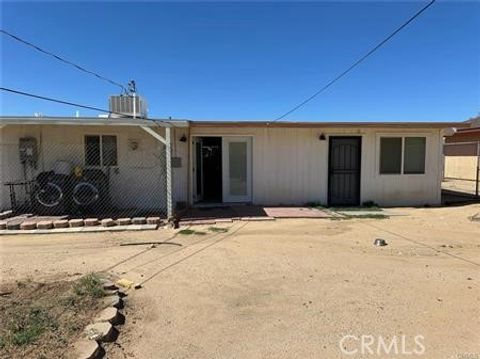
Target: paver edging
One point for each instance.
(103, 328)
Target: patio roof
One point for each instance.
(90, 121)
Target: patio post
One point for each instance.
(168, 154)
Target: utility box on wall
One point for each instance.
(28, 151)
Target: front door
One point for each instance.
(237, 169)
(344, 171)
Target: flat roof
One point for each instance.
(120, 121)
(328, 124)
(90, 121)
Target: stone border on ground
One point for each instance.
(131, 227)
(25, 225)
(104, 326)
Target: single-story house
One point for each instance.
(167, 164)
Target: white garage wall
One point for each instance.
(290, 165)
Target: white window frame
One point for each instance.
(101, 149)
(402, 161)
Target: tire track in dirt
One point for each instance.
(164, 255)
(229, 234)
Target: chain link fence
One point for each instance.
(462, 167)
(98, 178)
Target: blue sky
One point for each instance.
(249, 61)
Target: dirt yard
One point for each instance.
(283, 289)
(43, 319)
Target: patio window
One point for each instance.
(402, 155)
(101, 150)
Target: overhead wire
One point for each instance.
(62, 59)
(356, 63)
(74, 104)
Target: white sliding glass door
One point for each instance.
(237, 169)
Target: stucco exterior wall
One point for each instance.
(290, 165)
(180, 176)
(131, 182)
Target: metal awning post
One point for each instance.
(168, 154)
(167, 141)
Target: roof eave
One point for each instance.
(329, 124)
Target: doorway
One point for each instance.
(222, 169)
(208, 169)
(344, 170)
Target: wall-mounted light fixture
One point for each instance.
(133, 144)
(322, 137)
(183, 138)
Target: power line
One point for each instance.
(356, 63)
(78, 67)
(40, 97)
(53, 100)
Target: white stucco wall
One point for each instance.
(180, 175)
(139, 178)
(290, 165)
(404, 189)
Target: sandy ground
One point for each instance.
(284, 289)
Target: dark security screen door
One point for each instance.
(344, 171)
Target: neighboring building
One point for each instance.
(276, 163)
(462, 151)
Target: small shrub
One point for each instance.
(218, 229)
(314, 205)
(369, 204)
(89, 286)
(188, 232)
